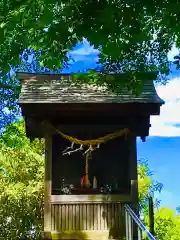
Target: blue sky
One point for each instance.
(162, 147)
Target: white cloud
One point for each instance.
(160, 129)
(171, 91)
(164, 125)
(85, 50)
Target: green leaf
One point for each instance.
(125, 32)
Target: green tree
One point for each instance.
(147, 186)
(167, 224)
(21, 191)
(144, 182)
(124, 31)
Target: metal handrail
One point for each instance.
(139, 223)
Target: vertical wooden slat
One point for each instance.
(106, 214)
(60, 217)
(56, 217)
(102, 219)
(66, 217)
(105, 219)
(115, 209)
(91, 216)
(115, 214)
(92, 220)
(52, 217)
(76, 207)
(99, 216)
(109, 215)
(63, 218)
(84, 217)
(88, 216)
(112, 213)
(78, 217)
(73, 217)
(81, 217)
(95, 216)
(120, 215)
(70, 217)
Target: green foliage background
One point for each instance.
(21, 192)
(125, 32)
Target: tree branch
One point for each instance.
(7, 86)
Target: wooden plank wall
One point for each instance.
(91, 216)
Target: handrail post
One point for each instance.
(129, 226)
(151, 216)
(140, 226)
(135, 208)
(126, 224)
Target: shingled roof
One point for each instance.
(61, 89)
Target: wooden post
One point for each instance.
(133, 169)
(47, 186)
(134, 180)
(151, 216)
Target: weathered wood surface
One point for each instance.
(98, 219)
(69, 199)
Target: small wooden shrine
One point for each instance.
(90, 152)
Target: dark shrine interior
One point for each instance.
(109, 164)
